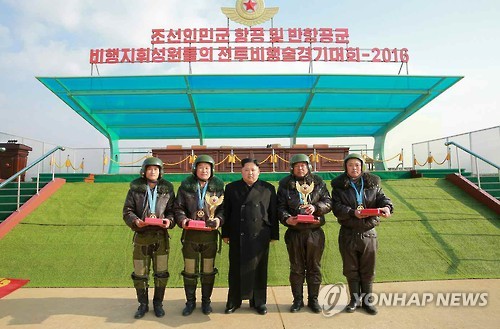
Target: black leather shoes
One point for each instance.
(351, 307)
(296, 306)
(206, 308)
(231, 309)
(261, 309)
(159, 311)
(141, 311)
(314, 306)
(369, 308)
(190, 306)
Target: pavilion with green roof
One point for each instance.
(246, 106)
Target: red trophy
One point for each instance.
(304, 191)
(370, 212)
(155, 221)
(197, 225)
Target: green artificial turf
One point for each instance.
(78, 239)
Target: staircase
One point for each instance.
(8, 197)
(490, 184)
(482, 195)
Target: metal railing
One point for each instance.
(22, 171)
(476, 157)
(433, 154)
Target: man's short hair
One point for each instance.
(247, 160)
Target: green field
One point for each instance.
(78, 239)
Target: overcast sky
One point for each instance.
(53, 38)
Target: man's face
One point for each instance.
(354, 168)
(300, 169)
(250, 173)
(203, 170)
(152, 173)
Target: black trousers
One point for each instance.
(249, 281)
(358, 251)
(305, 249)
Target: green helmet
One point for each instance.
(152, 161)
(204, 159)
(300, 158)
(354, 156)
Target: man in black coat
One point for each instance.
(353, 191)
(305, 241)
(251, 224)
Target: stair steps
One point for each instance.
(489, 183)
(8, 196)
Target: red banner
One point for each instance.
(9, 285)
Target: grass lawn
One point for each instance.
(78, 239)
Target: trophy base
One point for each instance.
(306, 219)
(197, 225)
(370, 212)
(155, 221)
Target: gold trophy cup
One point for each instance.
(304, 191)
(213, 202)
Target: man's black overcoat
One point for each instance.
(251, 223)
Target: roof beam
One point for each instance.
(304, 111)
(252, 110)
(193, 110)
(211, 125)
(188, 110)
(149, 126)
(256, 90)
(343, 124)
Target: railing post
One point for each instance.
(37, 178)
(448, 150)
(470, 147)
(478, 176)
(413, 157)
(315, 163)
(232, 162)
(402, 159)
(272, 160)
(53, 168)
(103, 160)
(429, 154)
(18, 192)
(458, 162)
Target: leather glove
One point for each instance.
(213, 223)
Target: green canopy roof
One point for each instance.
(246, 106)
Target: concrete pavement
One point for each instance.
(114, 308)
